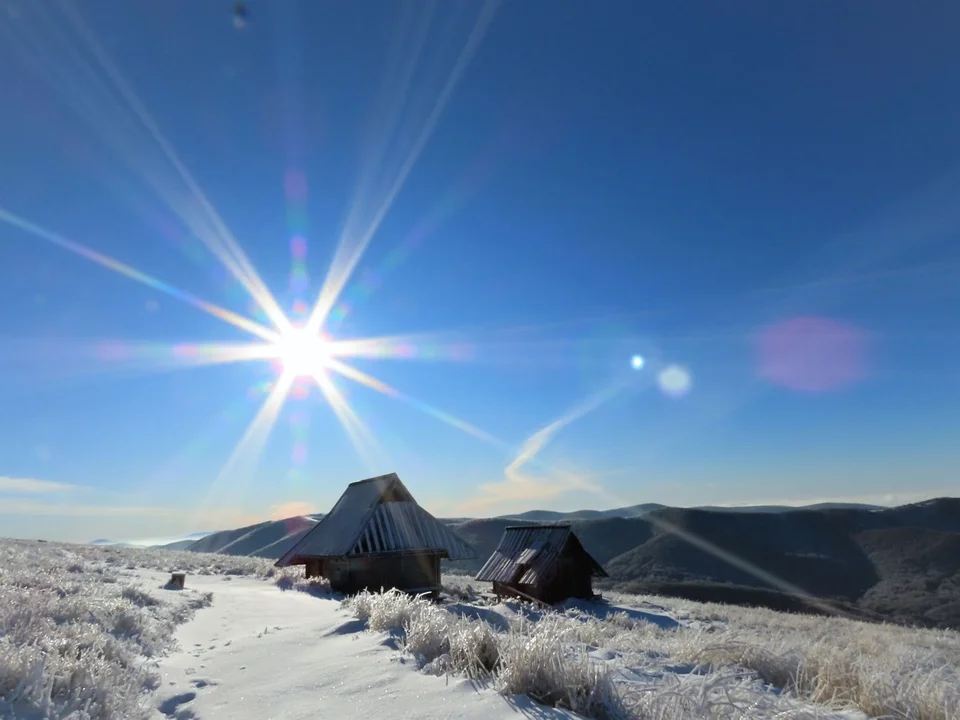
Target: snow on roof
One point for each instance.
(377, 515)
(526, 552)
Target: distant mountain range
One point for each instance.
(643, 509)
(898, 564)
(271, 538)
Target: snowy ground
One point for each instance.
(260, 653)
(89, 632)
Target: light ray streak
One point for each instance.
(401, 66)
(223, 353)
(91, 102)
(382, 387)
(360, 437)
(96, 104)
(117, 352)
(250, 446)
(110, 263)
(454, 198)
(399, 347)
(220, 242)
(734, 560)
(345, 261)
(445, 347)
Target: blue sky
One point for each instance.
(760, 201)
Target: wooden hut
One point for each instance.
(376, 536)
(545, 563)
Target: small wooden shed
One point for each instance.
(377, 536)
(546, 563)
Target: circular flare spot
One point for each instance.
(675, 381)
(812, 354)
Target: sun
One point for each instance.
(302, 353)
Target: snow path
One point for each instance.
(259, 653)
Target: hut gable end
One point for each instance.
(373, 517)
(543, 562)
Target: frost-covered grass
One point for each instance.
(655, 657)
(79, 629)
(882, 669)
(293, 579)
(171, 560)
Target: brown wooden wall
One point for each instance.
(562, 583)
(404, 571)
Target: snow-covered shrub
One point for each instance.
(863, 666)
(474, 648)
(293, 580)
(284, 582)
(536, 662)
(139, 597)
(169, 561)
(613, 663)
(461, 589)
(391, 610)
(529, 660)
(725, 695)
(74, 642)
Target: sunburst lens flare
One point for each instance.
(303, 353)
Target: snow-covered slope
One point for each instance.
(268, 539)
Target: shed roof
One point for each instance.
(374, 516)
(526, 553)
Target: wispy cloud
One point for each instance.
(31, 486)
(519, 485)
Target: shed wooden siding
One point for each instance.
(542, 562)
(403, 571)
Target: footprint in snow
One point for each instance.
(172, 706)
(200, 683)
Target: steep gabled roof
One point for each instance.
(373, 516)
(526, 552)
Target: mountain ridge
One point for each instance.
(900, 564)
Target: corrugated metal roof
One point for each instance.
(397, 526)
(527, 556)
(526, 553)
(377, 515)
